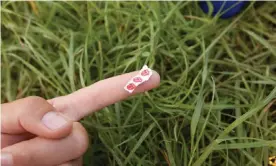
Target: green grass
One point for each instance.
(217, 76)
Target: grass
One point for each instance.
(214, 105)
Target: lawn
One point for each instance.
(215, 104)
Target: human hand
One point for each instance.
(37, 132)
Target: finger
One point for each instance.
(77, 162)
(99, 95)
(48, 152)
(34, 115)
(8, 139)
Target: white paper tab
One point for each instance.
(144, 75)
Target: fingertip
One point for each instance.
(155, 79)
(80, 136)
(52, 125)
(152, 83)
(41, 151)
(56, 125)
(6, 159)
(42, 119)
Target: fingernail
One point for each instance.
(53, 120)
(6, 159)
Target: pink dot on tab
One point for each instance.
(145, 72)
(131, 86)
(137, 79)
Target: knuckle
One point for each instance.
(35, 99)
(80, 138)
(35, 106)
(98, 100)
(32, 103)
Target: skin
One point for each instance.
(28, 142)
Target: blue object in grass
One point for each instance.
(226, 9)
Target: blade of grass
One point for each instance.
(139, 142)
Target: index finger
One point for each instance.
(99, 95)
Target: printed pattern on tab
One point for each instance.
(144, 75)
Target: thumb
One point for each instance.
(34, 115)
